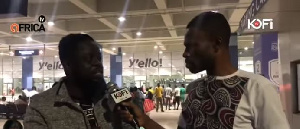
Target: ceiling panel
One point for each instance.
(141, 15)
(46, 1)
(124, 5)
(154, 34)
(61, 8)
(48, 38)
(85, 25)
(139, 22)
(106, 36)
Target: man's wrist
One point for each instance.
(145, 120)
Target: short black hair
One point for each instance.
(212, 23)
(3, 98)
(69, 44)
(12, 123)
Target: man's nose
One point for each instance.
(185, 54)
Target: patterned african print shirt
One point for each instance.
(239, 101)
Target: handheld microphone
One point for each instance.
(116, 96)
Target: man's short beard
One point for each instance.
(94, 88)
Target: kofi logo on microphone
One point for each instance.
(121, 95)
(16, 28)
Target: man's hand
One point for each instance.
(140, 116)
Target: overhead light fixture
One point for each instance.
(246, 48)
(155, 47)
(41, 52)
(124, 54)
(11, 53)
(138, 33)
(28, 39)
(252, 42)
(121, 19)
(113, 49)
(50, 23)
(241, 53)
(160, 52)
(55, 56)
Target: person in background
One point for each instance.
(159, 94)
(148, 104)
(182, 94)
(21, 100)
(168, 92)
(12, 124)
(77, 100)
(3, 101)
(177, 97)
(137, 97)
(12, 92)
(151, 90)
(163, 95)
(34, 91)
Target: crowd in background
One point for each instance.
(156, 98)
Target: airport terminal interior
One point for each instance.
(142, 44)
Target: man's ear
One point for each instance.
(217, 44)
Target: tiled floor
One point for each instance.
(167, 119)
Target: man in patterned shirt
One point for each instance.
(227, 98)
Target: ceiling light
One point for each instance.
(11, 53)
(252, 42)
(124, 54)
(50, 23)
(113, 49)
(41, 52)
(138, 33)
(246, 48)
(28, 39)
(160, 52)
(55, 56)
(121, 19)
(241, 53)
(155, 47)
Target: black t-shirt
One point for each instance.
(88, 110)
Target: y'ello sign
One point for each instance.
(50, 66)
(145, 63)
